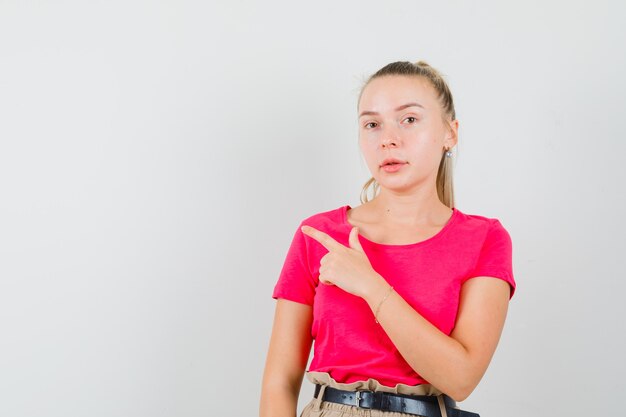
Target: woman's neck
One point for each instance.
(409, 210)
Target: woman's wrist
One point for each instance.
(375, 291)
(380, 303)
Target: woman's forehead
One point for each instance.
(391, 91)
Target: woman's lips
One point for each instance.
(393, 167)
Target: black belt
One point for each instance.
(419, 405)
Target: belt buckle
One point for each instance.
(357, 398)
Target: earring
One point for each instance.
(448, 153)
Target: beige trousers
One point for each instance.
(318, 408)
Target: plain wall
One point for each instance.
(157, 157)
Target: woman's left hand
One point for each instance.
(343, 266)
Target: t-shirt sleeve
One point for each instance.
(496, 256)
(295, 281)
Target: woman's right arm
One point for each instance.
(287, 357)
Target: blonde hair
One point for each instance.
(445, 188)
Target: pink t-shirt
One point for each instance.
(349, 345)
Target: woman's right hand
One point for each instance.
(288, 354)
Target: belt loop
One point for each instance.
(442, 405)
(320, 396)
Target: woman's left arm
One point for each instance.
(456, 363)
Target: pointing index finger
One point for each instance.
(323, 238)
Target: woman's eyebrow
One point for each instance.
(402, 107)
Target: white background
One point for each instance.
(157, 157)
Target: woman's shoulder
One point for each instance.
(335, 220)
(332, 222)
(479, 225)
(334, 216)
(477, 220)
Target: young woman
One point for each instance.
(405, 296)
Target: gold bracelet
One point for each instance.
(381, 303)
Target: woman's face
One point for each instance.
(400, 117)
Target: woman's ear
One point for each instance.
(452, 136)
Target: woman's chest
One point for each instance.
(396, 235)
(428, 280)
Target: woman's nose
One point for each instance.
(389, 143)
(390, 136)
(390, 139)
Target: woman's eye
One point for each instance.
(411, 119)
(371, 125)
